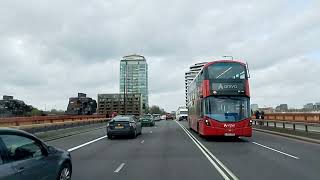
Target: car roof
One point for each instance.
(6, 130)
(123, 116)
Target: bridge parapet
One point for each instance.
(293, 117)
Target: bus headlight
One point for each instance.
(207, 122)
(250, 123)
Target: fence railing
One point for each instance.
(302, 126)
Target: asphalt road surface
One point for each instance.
(171, 151)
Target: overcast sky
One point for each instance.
(51, 50)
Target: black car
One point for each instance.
(24, 156)
(124, 126)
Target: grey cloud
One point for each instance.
(62, 47)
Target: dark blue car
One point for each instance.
(24, 156)
(124, 126)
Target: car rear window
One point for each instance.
(121, 119)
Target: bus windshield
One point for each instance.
(227, 71)
(226, 109)
(183, 112)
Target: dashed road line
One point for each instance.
(286, 154)
(119, 168)
(87, 143)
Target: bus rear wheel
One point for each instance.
(189, 125)
(198, 128)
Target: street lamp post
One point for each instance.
(229, 57)
(124, 89)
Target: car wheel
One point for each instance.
(65, 172)
(110, 136)
(134, 134)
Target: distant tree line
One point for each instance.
(156, 110)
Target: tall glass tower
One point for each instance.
(134, 77)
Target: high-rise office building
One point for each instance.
(134, 77)
(190, 75)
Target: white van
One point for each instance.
(182, 113)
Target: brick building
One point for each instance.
(109, 103)
(81, 105)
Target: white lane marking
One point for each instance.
(142, 141)
(202, 147)
(87, 143)
(155, 127)
(295, 157)
(119, 168)
(150, 131)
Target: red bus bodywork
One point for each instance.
(216, 128)
(207, 126)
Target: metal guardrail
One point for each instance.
(301, 126)
(57, 126)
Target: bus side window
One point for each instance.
(203, 108)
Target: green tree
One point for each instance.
(56, 112)
(35, 112)
(156, 110)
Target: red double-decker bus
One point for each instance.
(219, 100)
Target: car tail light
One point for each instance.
(207, 122)
(250, 123)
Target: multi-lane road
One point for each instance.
(171, 151)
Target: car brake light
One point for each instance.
(207, 122)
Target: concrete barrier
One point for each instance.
(19, 121)
(34, 125)
(59, 125)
